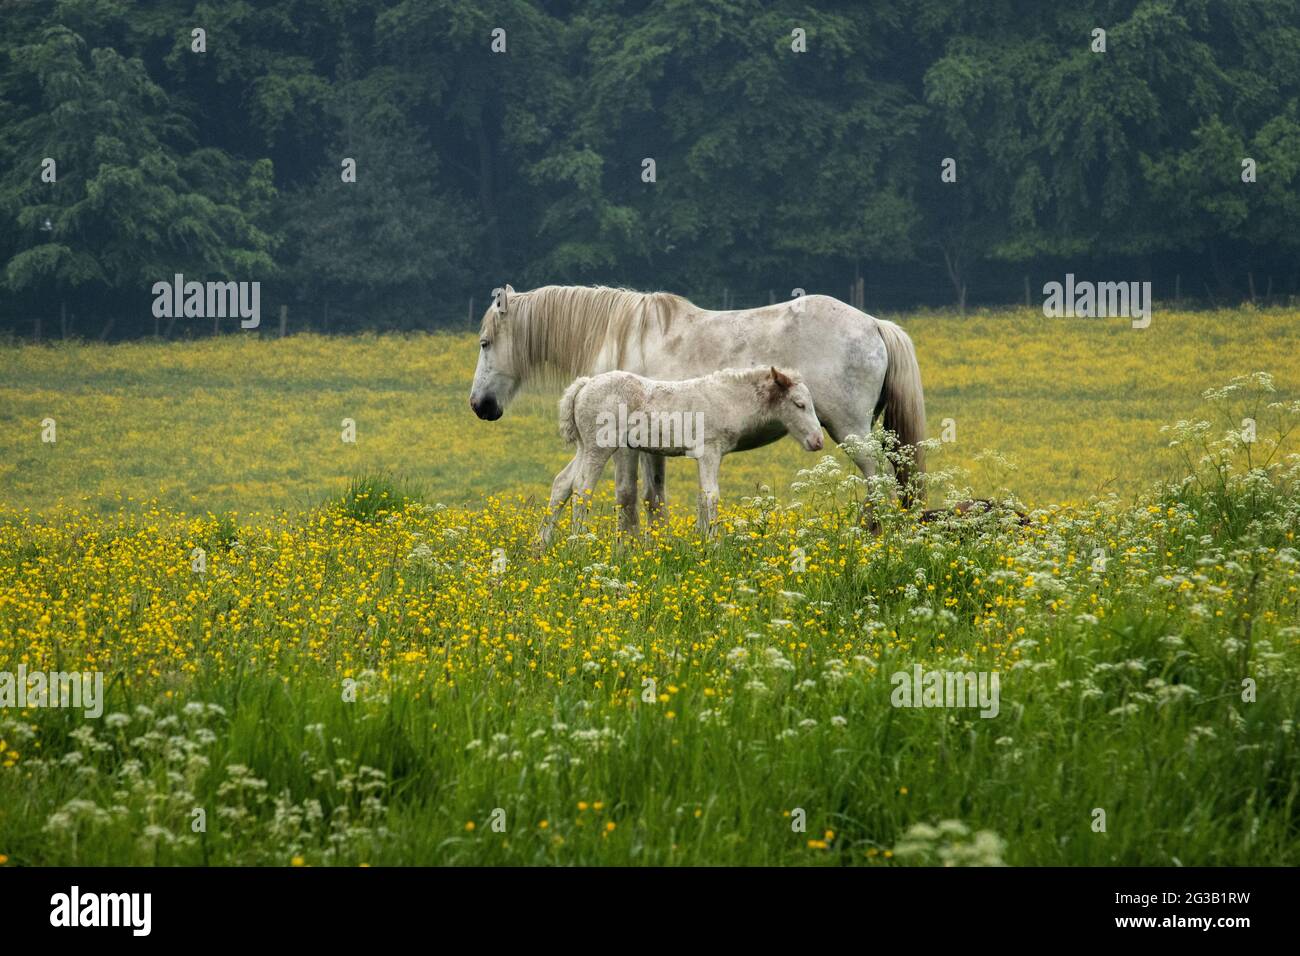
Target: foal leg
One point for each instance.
(585, 481)
(707, 507)
(561, 490)
(656, 488)
(625, 462)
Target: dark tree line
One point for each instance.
(773, 168)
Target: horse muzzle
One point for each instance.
(486, 408)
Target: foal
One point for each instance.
(619, 413)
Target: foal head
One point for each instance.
(790, 401)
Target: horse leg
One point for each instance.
(656, 488)
(707, 507)
(865, 461)
(561, 490)
(625, 465)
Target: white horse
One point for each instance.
(616, 413)
(857, 367)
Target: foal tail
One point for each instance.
(568, 424)
(903, 403)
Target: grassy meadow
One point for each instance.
(246, 424)
(304, 667)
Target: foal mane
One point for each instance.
(752, 375)
(557, 331)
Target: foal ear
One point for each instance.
(782, 380)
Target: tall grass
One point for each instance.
(407, 683)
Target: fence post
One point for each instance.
(284, 319)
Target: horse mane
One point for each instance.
(558, 331)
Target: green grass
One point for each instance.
(245, 424)
(362, 676)
(353, 687)
(695, 795)
(371, 496)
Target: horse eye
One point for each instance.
(798, 405)
(484, 344)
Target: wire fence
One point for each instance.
(882, 295)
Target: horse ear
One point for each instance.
(782, 380)
(502, 298)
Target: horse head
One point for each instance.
(496, 379)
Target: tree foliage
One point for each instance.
(774, 166)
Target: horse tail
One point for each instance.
(903, 404)
(568, 423)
